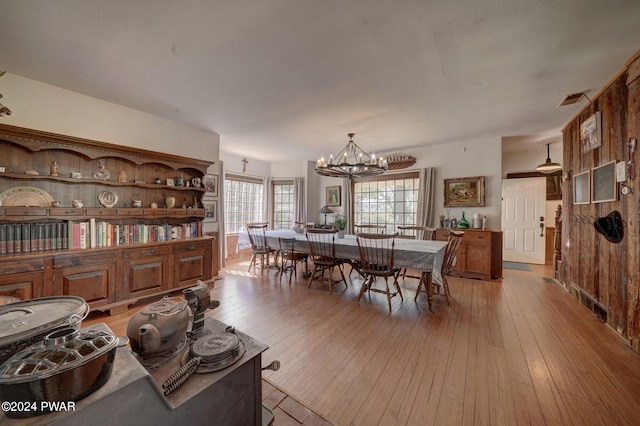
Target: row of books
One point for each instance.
(64, 235)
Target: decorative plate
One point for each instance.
(108, 199)
(26, 196)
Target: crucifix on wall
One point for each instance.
(244, 165)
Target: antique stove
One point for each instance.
(215, 378)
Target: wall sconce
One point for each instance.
(566, 176)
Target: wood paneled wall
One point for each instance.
(608, 273)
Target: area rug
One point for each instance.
(519, 266)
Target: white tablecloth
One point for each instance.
(424, 255)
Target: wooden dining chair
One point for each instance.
(416, 233)
(289, 257)
(365, 228)
(369, 228)
(259, 246)
(453, 242)
(376, 258)
(323, 255)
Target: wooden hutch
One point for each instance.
(124, 242)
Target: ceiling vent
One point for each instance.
(572, 98)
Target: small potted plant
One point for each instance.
(340, 222)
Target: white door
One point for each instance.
(523, 209)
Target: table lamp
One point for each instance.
(325, 211)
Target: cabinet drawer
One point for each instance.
(25, 211)
(155, 212)
(146, 252)
(177, 212)
(67, 212)
(188, 247)
(98, 212)
(476, 236)
(16, 267)
(84, 259)
(129, 212)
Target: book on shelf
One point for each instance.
(3, 238)
(11, 229)
(17, 238)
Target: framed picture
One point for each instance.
(603, 183)
(334, 196)
(211, 185)
(591, 132)
(464, 192)
(171, 182)
(210, 210)
(581, 188)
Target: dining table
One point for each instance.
(423, 255)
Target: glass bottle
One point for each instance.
(463, 223)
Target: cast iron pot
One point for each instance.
(67, 366)
(26, 323)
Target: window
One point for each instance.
(389, 200)
(243, 202)
(282, 204)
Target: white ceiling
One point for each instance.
(290, 78)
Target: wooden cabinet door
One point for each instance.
(85, 276)
(191, 262)
(478, 260)
(22, 278)
(146, 271)
(23, 286)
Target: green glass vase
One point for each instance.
(463, 223)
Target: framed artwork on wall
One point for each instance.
(591, 132)
(211, 185)
(334, 196)
(581, 188)
(464, 192)
(210, 210)
(603, 183)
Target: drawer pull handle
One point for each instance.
(6, 270)
(148, 252)
(191, 247)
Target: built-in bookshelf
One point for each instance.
(32, 237)
(106, 222)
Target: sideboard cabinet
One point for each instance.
(479, 254)
(109, 223)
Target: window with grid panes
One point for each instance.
(282, 204)
(243, 202)
(389, 200)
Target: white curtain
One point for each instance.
(347, 200)
(267, 214)
(222, 233)
(425, 197)
(299, 206)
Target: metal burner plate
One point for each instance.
(216, 351)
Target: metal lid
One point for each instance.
(22, 320)
(216, 347)
(61, 350)
(165, 307)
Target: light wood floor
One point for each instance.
(516, 351)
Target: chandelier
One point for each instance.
(351, 162)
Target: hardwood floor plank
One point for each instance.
(516, 351)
